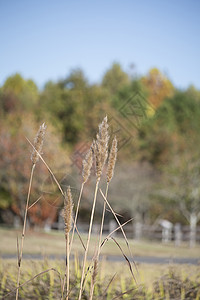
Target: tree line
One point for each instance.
(157, 126)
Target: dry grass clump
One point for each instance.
(98, 153)
(172, 285)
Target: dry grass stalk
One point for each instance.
(100, 148)
(57, 183)
(67, 216)
(126, 258)
(94, 277)
(110, 172)
(122, 230)
(88, 239)
(87, 165)
(112, 160)
(38, 143)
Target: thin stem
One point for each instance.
(67, 266)
(39, 274)
(24, 229)
(102, 220)
(76, 216)
(56, 181)
(34, 203)
(44, 162)
(122, 230)
(109, 235)
(88, 240)
(100, 237)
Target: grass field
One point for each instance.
(54, 243)
(157, 280)
(47, 286)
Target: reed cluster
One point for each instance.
(104, 160)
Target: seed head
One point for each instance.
(112, 160)
(67, 211)
(101, 147)
(38, 143)
(97, 154)
(87, 165)
(95, 271)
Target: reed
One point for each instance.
(94, 276)
(87, 165)
(100, 150)
(38, 143)
(109, 173)
(98, 153)
(67, 216)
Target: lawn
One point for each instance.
(54, 243)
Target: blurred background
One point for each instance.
(70, 63)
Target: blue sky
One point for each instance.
(45, 39)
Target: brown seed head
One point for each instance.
(101, 147)
(112, 160)
(38, 143)
(87, 165)
(67, 211)
(95, 271)
(97, 154)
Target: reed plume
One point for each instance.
(67, 211)
(110, 172)
(100, 149)
(100, 146)
(38, 143)
(67, 216)
(87, 164)
(112, 160)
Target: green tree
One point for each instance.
(171, 139)
(64, 104)
(115, 78)
(18, 94)
(174, 121)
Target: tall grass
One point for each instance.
(38, 143)
(173, 284)
(97, 155)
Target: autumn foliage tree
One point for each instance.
(158, 86)
(15, 164)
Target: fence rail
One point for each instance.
(176, 233)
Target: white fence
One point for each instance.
(174, 233)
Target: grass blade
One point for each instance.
(126, 258)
